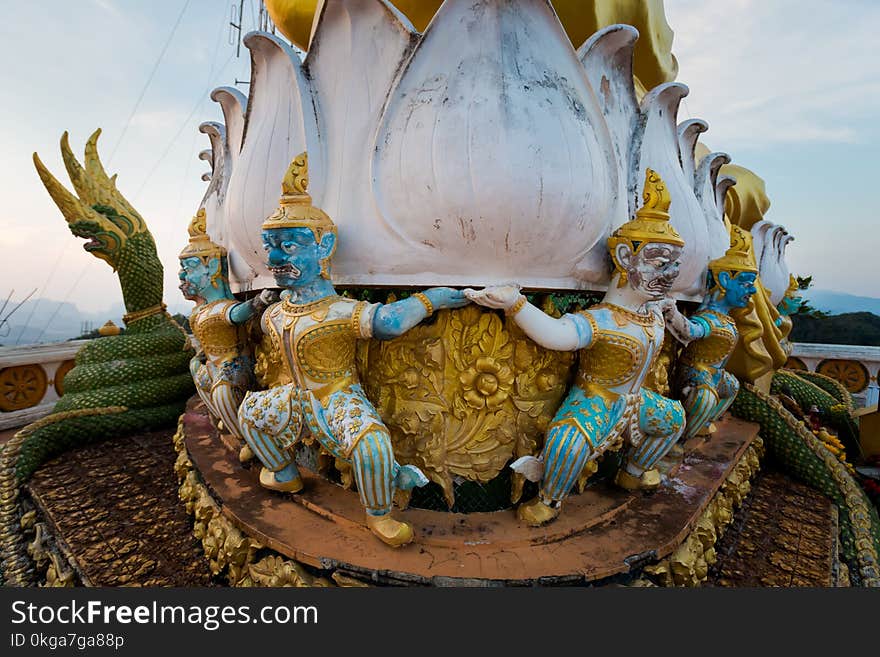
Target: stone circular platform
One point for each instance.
(602, 533)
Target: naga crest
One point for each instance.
(98, 213)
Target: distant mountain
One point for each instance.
(48, 320)
(848, 328)
(836, 303)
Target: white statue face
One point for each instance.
(652, 270)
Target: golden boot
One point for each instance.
(390, 531)
(267, 480)
(536, 512)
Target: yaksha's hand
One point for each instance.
(267, 297)
(446, 297)
(666, 306)
(496, 296)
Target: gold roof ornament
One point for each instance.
(740, 256)
(295, 209)
(200, 245)
(109, 328)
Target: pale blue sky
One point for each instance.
(791, 89)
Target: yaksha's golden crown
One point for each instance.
(295, 209)
(651, 223)
(739, 257)
(200, 245)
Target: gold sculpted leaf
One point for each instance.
(656, 195)
(296, 180)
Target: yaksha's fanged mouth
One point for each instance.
(286, 269)
(661, 284)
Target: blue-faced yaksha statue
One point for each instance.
(223, 367)
(316, 331)
(710, 336)
(618, 340)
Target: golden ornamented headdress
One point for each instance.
(793, 287)
(739, 257)
(651, 223)
(295, 209)
(200, 245)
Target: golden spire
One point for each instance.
(740, 256)
(651, 223)
(295, 209)
(200, 245)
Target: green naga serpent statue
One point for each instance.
(795, 447)
(121, 384)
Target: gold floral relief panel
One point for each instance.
(465, 394)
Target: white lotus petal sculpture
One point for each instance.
(688, 134)
(770, 243)
(484, 151)
(280, 122)
(705, 187)
(660, 152)
(493, 159)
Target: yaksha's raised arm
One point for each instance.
(710, 336)
(618, 339)
(315, 331)
(223, 368)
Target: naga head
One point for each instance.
(299, 238)
(733, 277)
(203, 264)
(99, 213)
(646, 250)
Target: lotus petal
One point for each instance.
(705, 185)
(660, 152)
(280, 123)
(493, 162)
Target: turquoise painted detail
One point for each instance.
(342, 420)
(605, 405)
(705, 388)
(223, 367)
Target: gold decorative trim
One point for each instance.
(611, 359)
(638, 318)
(517, 306)
(136, 316)
(426, 302)
(356, 315)
(22, 386)
(240, 558)
(300, 309)
(475, 384)
(689, 563)
(325, 352)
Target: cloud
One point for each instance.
(764, 73)
(109, 6)
(158, 121)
